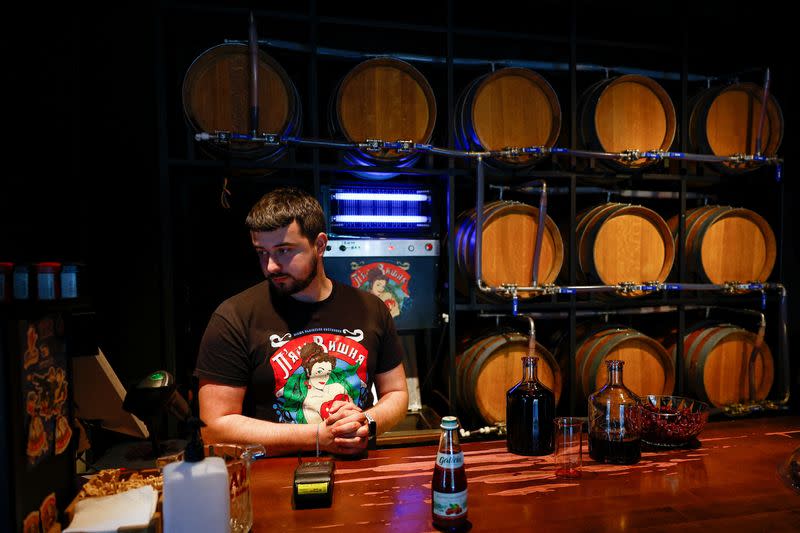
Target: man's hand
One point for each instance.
(345, 437)
(349, 427)
(340, 409)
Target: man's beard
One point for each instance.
(295, 285)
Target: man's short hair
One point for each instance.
(282, 206)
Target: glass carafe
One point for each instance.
(614, 425)
(530, 413)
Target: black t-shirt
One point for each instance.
(296, 358)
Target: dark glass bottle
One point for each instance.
(449, 486)
(530, 413)
(614, 424)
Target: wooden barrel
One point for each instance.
(385, 99)
(725, 121)
(509, 240)
(725, 243)
(511, 107)
(488, 368)
(716, 364)
(629, 112)
(216, 92)
(623, 243)
(648, 366)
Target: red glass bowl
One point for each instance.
(671, 421)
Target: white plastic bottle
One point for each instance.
(196, 495)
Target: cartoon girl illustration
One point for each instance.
(310, 393)
(37, 437)
(377, 286)
(31, 356)
(59, 384)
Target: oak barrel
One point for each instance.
(216, 91)
(716, 364)
(623, 243)
(492, 365)
(629, 112)
(725, 243)
(511, 107)
(725, 121)
(649, 369)
(509, 240)
(386, 99)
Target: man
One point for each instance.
(290, 362)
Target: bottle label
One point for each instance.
(450, 505)
(450, 460)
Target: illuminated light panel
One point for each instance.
(385, 197)
(394, 219)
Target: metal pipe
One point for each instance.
(532, 188)
(479, 229)
(253, 49)
(604, 312)
(510, 289)
(532, 338)
(751, 367)
(783, 334)
(536, 65)
(321, 143)
(537, 249)
(452, 153)
(764, 105)
(409, 146)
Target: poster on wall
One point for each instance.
(44, 388)
(387, 281)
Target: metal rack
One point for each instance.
(304, 156)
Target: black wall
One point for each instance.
(85, 181)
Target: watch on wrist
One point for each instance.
(373, 428)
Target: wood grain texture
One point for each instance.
(491, 366)
(512, 107)
(386, 99)
(623, 243)
(629, 112)
(631, 116)
(725, 120)
(728, 484)
(216, 92)
(509, 240)
(648, 367)
(717, 365)
(738, 246)
(725, 244)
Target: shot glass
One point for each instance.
(568, 454)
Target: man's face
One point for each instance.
(287, 259)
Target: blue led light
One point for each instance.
(357, 159)
(389, 219)
(381, 196)
(395, 208)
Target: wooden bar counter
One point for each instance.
(730, 483)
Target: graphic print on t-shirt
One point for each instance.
(316, 368)
(387, 281)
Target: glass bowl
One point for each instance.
(789, 470)
(671, 421)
